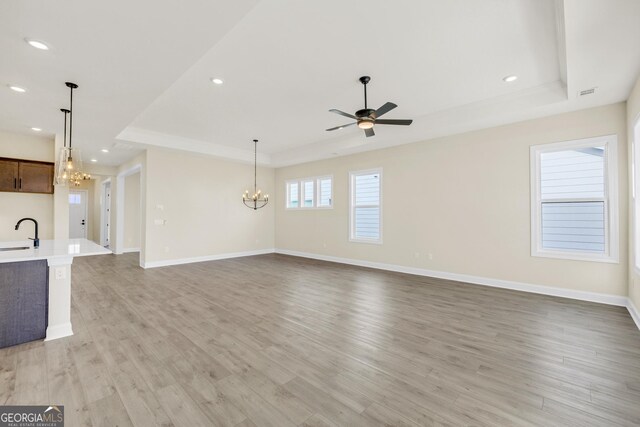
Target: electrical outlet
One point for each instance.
(61, 273)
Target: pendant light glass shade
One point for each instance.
(62, 176)
(73, 168)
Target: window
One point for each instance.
(308, 187)
(324, 192)
(574, 200)
(310, 193)
(293, 197)
(365, 206)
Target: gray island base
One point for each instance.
(24, 300)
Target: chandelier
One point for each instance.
(257, 200)
(69, 169)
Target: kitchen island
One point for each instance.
(35, 288)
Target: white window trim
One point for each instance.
(352, 206)
(612, 237)
(316, 193)
(288, 194)
(635, 175)
(303, 191)
(317, 181)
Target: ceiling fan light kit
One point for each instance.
(367, 118)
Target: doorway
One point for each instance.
(78, 214)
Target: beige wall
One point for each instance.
(200, 198)
(28, 147)
(465, 200)
(95, 208)
(633, 114)
(14, 206)
(132, 212)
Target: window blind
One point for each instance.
(324, 192)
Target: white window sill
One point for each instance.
(369, 241)
(315, 208)
(576, 256)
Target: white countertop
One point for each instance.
(50, 249)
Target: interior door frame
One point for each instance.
(120, 191)
(86, 210)
(104, 216)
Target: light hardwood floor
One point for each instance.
(281, 341)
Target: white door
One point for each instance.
(78, 214)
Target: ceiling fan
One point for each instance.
(367, 118)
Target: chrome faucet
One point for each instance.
(36, 240)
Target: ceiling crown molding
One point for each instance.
(157, 139)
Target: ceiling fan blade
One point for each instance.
(342, 113)
(385, 108)
(369, 132)
(343, 126)
(394, 122)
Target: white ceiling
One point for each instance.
(123, 54)
(144, 77)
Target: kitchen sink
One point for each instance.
(17, 248)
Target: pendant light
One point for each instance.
(257, 200)
(62, 176)
(71, 158)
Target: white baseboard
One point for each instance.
(633, 311)
(496, 283)
(59, 331)
(127, 250)
(165, 263)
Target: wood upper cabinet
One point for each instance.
(26, 176)
(8, 175)
(35, 177)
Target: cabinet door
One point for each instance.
(8, 175)
(24, 301)
(35, 178)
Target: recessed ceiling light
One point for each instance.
(36, 129)
(216, 81)
(17, 89)
(94, 160)
(37, 44)
(510, 79)
(104, 150)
